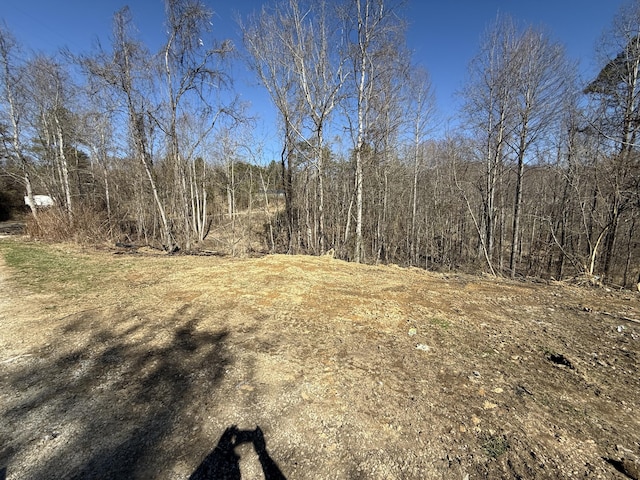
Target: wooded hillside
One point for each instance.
(135, 146)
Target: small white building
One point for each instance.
(40, 201)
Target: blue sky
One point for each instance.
(444, 34)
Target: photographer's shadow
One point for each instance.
(223, 462)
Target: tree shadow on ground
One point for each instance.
(101, 403)
(223, 462)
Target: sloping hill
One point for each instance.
(133, 366)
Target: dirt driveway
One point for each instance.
(122, 365)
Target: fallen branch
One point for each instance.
(9, 360)
(620, 317)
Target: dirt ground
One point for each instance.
(349, 371)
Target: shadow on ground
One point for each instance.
(101, 402)
(223, 463)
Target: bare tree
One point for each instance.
(489, 106)
(540, 92)
(514, 98)
(387, 116)
(420, 113)
(11, 82)
(320, 73)
(371, 28)
(193, 69)
(98, 136)
(269, 58)
(125, 71)
(51, 113)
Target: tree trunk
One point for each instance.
(516, 216)
(64, 167)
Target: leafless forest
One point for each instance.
(157, 148)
